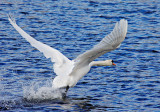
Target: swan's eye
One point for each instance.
(112, 61)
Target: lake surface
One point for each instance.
(72, 27)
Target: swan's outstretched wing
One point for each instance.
(62, 64)
(109, 43)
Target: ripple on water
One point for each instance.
(73, 27)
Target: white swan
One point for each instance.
(69, 72)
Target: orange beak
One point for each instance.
(113, 64)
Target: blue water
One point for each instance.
(73, 27)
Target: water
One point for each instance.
(73, 27)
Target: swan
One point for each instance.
(69, 72)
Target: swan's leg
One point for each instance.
(67, 89)
(64, 94)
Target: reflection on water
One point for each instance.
(54, 104)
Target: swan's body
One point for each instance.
(69, 72)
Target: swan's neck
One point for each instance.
(99, 63)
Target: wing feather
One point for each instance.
(61, 62)
(109, 43)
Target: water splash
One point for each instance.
(42, 91)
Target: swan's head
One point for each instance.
(109, 62)
(102, 63)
